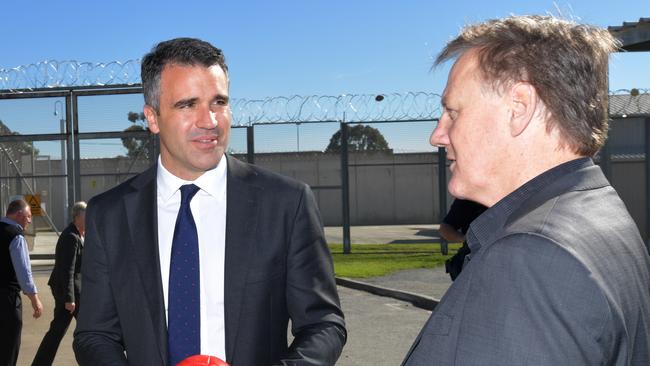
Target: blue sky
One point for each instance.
(283, 48)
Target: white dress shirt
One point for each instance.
(209, 212)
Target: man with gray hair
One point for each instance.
(15, 274)
(65, 282)
(558, 273)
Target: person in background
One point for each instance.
(453, 228)
(559, 274)
(203, 253)
(65, 283)
(15, 274)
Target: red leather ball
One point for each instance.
(202, 360)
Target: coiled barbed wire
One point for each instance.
(54, 74)
(298, 108)
(346, 107)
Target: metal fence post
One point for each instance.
(442, 193)
(647, 182)
(75, 144)
(70, 156)
(345, 188)
(250, 144)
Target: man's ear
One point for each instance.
(523, 105)
(152, 118)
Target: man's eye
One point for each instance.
(452, 114)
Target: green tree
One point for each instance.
(15, 150)
(360, 138)
(138, 147)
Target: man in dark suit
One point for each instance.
(558, 273)
(65, 282)
(261, 257)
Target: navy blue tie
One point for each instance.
(184, 309)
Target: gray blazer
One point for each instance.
(277, 267)
(558, 275)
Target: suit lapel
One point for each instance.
(142, 212)
(241, 224)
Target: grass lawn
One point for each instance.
(372, 260)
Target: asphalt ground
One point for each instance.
(380, 329)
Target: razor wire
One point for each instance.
(56, 74)
(297, 108)
(346, 107)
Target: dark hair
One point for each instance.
(180, 51)
(564, 61)
(16, 206)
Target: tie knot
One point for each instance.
(187, 192)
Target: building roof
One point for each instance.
(635, 103)
(634, 36)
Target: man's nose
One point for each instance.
(207, 119)
(439, 136)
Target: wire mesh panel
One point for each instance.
(238, 144)
(32, 167)
(393, 180)
(38, 179)
(299, 151)
(31, 116)
(103, 113)
(105, 163)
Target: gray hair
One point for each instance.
(565, 62)
(16, 206)
(78, 208)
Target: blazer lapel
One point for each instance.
(142, 212)
(241, 225)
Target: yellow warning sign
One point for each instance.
(34, 201)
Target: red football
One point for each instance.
(202, 360)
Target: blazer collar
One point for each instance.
(575, 175)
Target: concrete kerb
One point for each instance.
(420, 301)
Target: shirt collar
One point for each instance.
(9, 221)
(213, 181)
(484, 229)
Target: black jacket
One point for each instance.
(65, 279)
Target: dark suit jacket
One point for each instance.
(65, 279)
(277, 267)
(558, 275)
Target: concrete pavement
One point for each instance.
(385, 234)
(381, 329)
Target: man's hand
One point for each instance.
(70, 306)
(36, 305)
